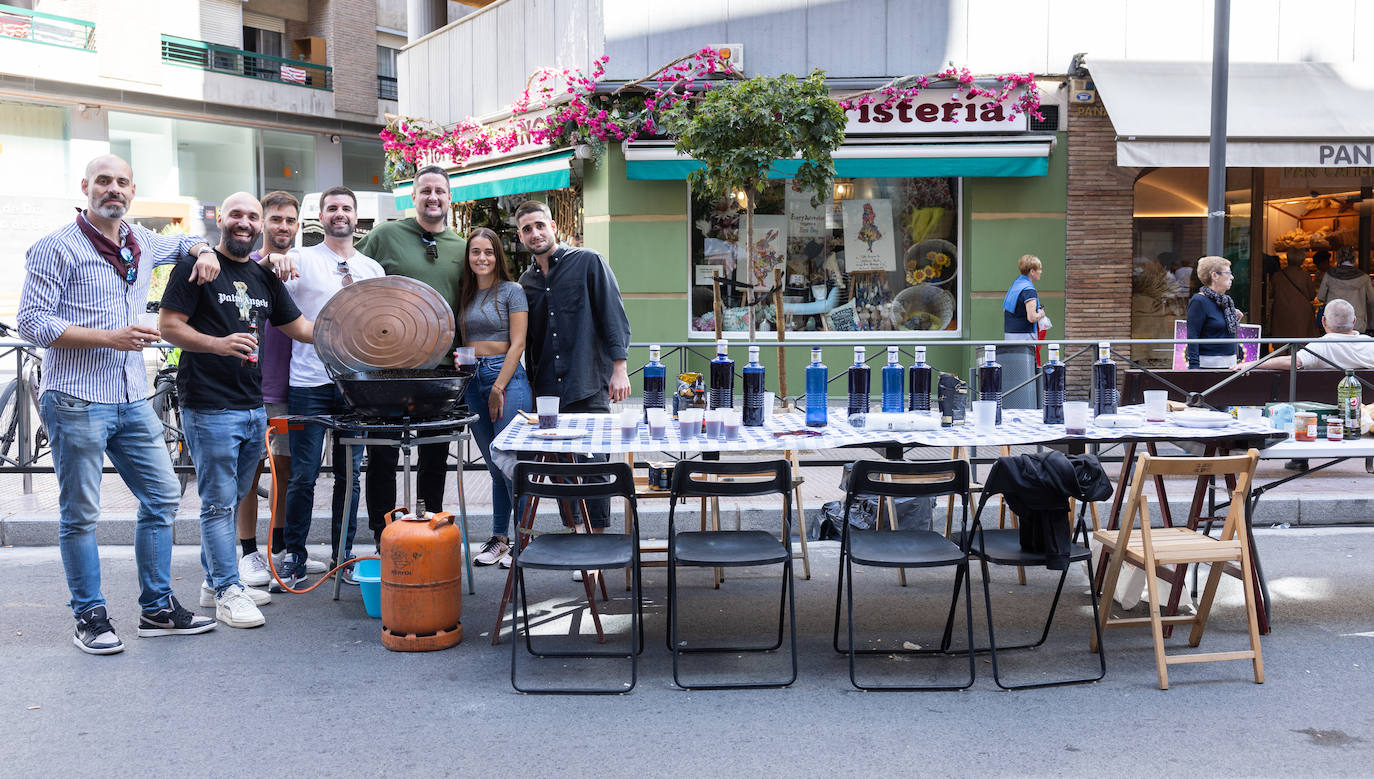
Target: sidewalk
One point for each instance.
(1339, 495)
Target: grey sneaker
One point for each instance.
(94, 633)
(291, 569)
(172, 621)
(493, 550)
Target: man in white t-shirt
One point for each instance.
(319, 272)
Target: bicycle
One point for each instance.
(24, 387)
(167, 406)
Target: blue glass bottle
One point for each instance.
(817, 381)
(892, 383)
(753, 390)
(722, 377)
(655, 381)
(1104, 381)
(990, 379)
(860, 379)
(1054, 375)
(919, 382)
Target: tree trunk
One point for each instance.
(780, 317)
(751, 299)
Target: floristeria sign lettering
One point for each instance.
(933, 111)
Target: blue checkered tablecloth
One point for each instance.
(1018, 427)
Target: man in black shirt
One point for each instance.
(579, 336)
(220, 386)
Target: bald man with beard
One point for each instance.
(220, 386)
(84, 287)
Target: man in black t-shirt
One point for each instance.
(220, 386)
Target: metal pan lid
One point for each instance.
(384, 323)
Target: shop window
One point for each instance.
(879, 255)
(362, 165)
(33, 142)
(288, 162)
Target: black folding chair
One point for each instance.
(731, 548)
(1004, 547)
(904, 549)
(569, 551)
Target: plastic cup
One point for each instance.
(730, 420)
(1156, 405)
(767, 406)
(658, 423)
(713, 423)
(688, 423)
(629, 425)
(1076, 417)
(547, 406)
(464, 355)
(985, 413)
(1249, 413)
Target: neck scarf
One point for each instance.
(1228, 308)
(122, 256)
(1009, 302)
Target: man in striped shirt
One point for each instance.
(84, 288)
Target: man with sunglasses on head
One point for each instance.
(85, 286)
(320, 271)
(421, 248)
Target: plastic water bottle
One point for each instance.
(892, 382)
(1349, 397)
(990, 379)
(817, 380)
(753, 390)
(918, 382)
(859, 376)
(722, 377)
(1054, 375)
(655, 381)
(1104, 381)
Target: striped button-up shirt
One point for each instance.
(67, 283)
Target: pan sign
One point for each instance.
(934, 111)
(1345, 154)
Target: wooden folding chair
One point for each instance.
(1156, 548)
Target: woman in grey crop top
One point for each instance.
(493, 317)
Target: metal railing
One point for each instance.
(386, 88)
(237, 62)
(38, 27)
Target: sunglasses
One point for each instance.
(431, 246)
(347, 274)
(130, 267)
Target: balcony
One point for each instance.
(37, 27)
(247, 64)
(386, 88)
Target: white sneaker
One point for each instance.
(493, 550)
(311, 566)
(207, 596)
(236, 609)
(253, 571)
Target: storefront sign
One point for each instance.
(1345, 154)
(1324, 178)
(934, 112)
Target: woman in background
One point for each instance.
(1212, 314)
(1022, 319)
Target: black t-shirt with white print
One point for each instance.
(242, 291)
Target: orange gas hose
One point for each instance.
(278, 426)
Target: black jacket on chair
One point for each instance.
(1037, 487)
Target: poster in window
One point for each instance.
(770, 249)
(868, 236)
(803, 219)
(1249, 336)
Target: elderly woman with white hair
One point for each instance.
(1212, 314)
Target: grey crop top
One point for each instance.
(487, 317)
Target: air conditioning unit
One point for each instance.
(1082, 91)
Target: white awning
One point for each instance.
(1289, 114)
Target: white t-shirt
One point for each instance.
(319, 280)
(1348, 355)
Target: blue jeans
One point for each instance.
(307, 451)
(226, 445)
(519, 397)
(82, 434)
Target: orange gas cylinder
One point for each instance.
(422, 586)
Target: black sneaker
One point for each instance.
(1299, 464)
(94, 633)
(173, 621)
(292, 573)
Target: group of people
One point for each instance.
(244, 319)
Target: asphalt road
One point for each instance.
(313, 692)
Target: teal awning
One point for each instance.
(550, 171)
(984, 159)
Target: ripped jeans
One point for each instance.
(226, 446)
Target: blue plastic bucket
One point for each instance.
(368, 574)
